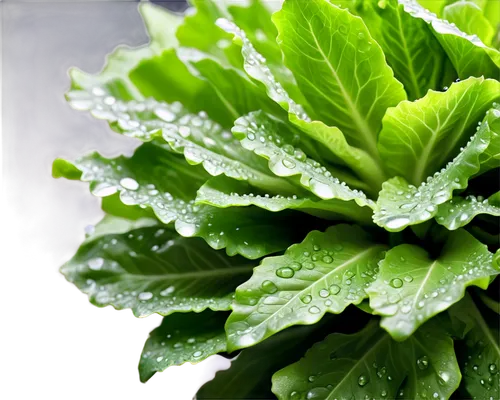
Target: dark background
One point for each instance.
(40, 40)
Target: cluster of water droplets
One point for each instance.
(460, 211)
(173, 347)
(199, 138)
(287, 160)
(255, 65)
(482, 367)
(398, 297)
(441, 26)
(402, 206)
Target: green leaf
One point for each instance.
(469, 18)
(270, 139)
(199, 31)
(249, 376)
(149, 268)
(331, 137)
(490, 159)
(182, 338)
(411, 49)
(201, 140)
(164, 182)
(368, 364)
(460, 211)
(401, 204)
(223, 193)
(112, 224)
(238, 93)
(339, 68)
(161, 26)
(419, 137)
(436, 6)
(492, 304)
(412, 287)
(469, 55)
(325, 273)
(479, 351)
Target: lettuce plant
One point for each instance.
(315, 190)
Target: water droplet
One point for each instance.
(164, 114)
(334, 289)
(308, 265)
(311, 378)
(408, 278)
(197, 354)
(285, 272)
(314, 310)
(327, 259)
(362, 380)
(317, 393)
(159, 359)
(288, 163)
(397, 222)
(406, 309)
(306, 299)
(104, 189)
(144, 296)
(269, 287)
(343, 29)
(167, 291)
(184, 131)
(324, 293)
(423, 363)
(129, 183)
(493, 368)
(295, 266)
(396, 283)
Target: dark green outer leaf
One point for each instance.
(151, 269)
(182, 338)
(369, 364)
(163, 181)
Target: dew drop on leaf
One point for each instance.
(314, 310)
(334, 289)
(308, 265)
(144, 296)
(362, 380)
(324, 293)
(96, 264)
(327, 259)
(295, 266)
(396, 283)
(423, 363)
(285, 272)
(269, 287)
(129, 183)
(306, 299)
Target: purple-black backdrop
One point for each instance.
(61, 341)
